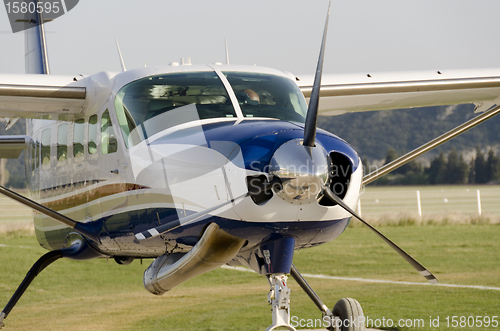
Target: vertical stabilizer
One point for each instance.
(36, 58)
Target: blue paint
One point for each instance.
(256, 139)
(305, 234)
(277, 255)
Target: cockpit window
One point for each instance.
(264, 95)
(153, 104)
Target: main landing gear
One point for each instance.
(347, 315)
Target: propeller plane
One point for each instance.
(199, 166)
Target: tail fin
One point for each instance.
(36, 58)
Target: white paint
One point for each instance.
(367, 280)
(479, 211)
(419, 204)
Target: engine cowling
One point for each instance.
(214, 249)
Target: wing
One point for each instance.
(33, 95)
(378, 91)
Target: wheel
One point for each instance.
(350, 313)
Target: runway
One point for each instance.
(368, 280)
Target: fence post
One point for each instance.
(479, 203)
(419, 204)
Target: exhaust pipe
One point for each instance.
(214, 249)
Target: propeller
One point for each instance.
(312, 110)
(414, 263)
(309, 140)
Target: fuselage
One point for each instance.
(156, 145)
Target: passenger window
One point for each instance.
(45, 147)
(92, 134)
(108, 139)
(78, 138)
(62, 143)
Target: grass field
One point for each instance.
(101, 295)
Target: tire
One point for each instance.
(351, 314)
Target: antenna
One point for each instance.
(227, 52)
(121, 57)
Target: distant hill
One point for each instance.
(373, 133)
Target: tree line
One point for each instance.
(443, 169)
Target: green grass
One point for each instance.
(101, 295)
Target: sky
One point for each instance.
(363, 36)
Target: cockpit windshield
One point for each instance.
(150, 105)
(264, 95)
(153, 104)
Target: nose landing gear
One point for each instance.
(347, 315)
(279, 299)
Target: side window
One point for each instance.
(108, 139)
(92, 134)
(45, 153)
(62, 143)
(78, 138)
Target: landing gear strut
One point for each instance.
(347, 314)
(279, 299)
(309, 291)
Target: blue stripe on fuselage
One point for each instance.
(305, 233)
(257, 140)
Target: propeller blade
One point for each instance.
(312, 110)
(414, 263)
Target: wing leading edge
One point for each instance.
(361, 92)
(32, 96)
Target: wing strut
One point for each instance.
(399, 162)
(85, 229)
